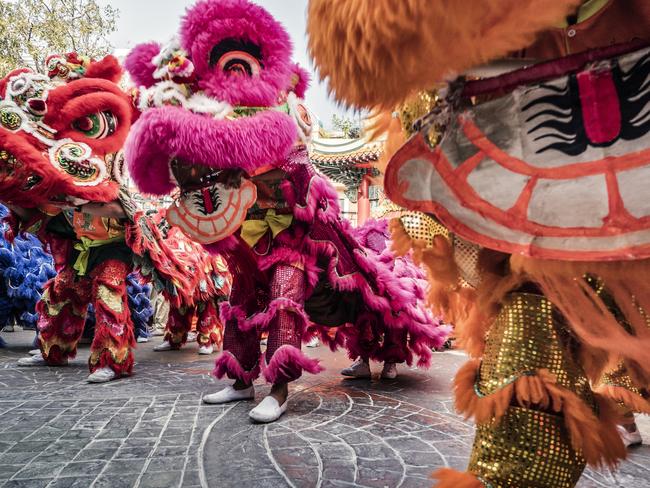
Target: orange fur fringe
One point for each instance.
(449, 478)
(628, 283)
(594, 436)
(376, 53)
(603, 339)
(631, 400)
(385, 125)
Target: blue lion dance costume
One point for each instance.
(25, 267)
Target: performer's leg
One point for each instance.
(179, 323)
(393, 352)
(631, 396)
(239, 360)
(62, 314)
(209, 330)
(287, 322)
(111, 349)
(538, 421)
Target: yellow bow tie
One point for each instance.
(253, 230)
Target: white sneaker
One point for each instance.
(36, 360)
(142, 339)
(191, 336)
(269, 410)
(102, 375)
(229, 394)
(34, 352)
(164, 346)
(206, 350)
(158, 332)
(630, 439)
(314, 342)
(389, 372)
(358, 369)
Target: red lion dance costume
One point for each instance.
(537, 180)
(60, 139)
(222, 119)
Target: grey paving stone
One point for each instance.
(151, 429)
(36, 483)
(83, 468)
(124, 466)
(73, 482)
(37, 470)
(8, 470)
(116, 481)
(161, 480)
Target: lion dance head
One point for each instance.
(219, 103)
(61, 134)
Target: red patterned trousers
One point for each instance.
(62, 314)
(209, 330)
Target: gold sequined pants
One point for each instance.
(528, 446)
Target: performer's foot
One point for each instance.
(102, 375)
(164, 346)
(389, 372)
(269, 410)
(206, 350)
(34, 352)
(37, 360)
(315, 342)
(230, 394)
(358, 369)
(630, 435)
(142, 339)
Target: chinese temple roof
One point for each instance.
(346, 161)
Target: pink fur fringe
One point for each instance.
(322, 201)
(138, 64)
(227, 365)
(223, 144)
(211, 21)
(287, 364)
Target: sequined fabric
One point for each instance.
(286, 328)
(415, 109)
(620, 377)
(421, 227)
(466, 257)
(527, 448)
(528, 335)
(244, 346)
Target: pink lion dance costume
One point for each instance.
(223, 121)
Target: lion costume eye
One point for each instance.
(96, 126)
(237, 57)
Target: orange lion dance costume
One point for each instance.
(538, 242)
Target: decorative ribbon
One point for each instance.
(253, 230)
(84, 245)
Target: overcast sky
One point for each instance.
(158, 20)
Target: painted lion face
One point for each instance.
(61, 137)
(554, 167)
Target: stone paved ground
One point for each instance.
(151, 430)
